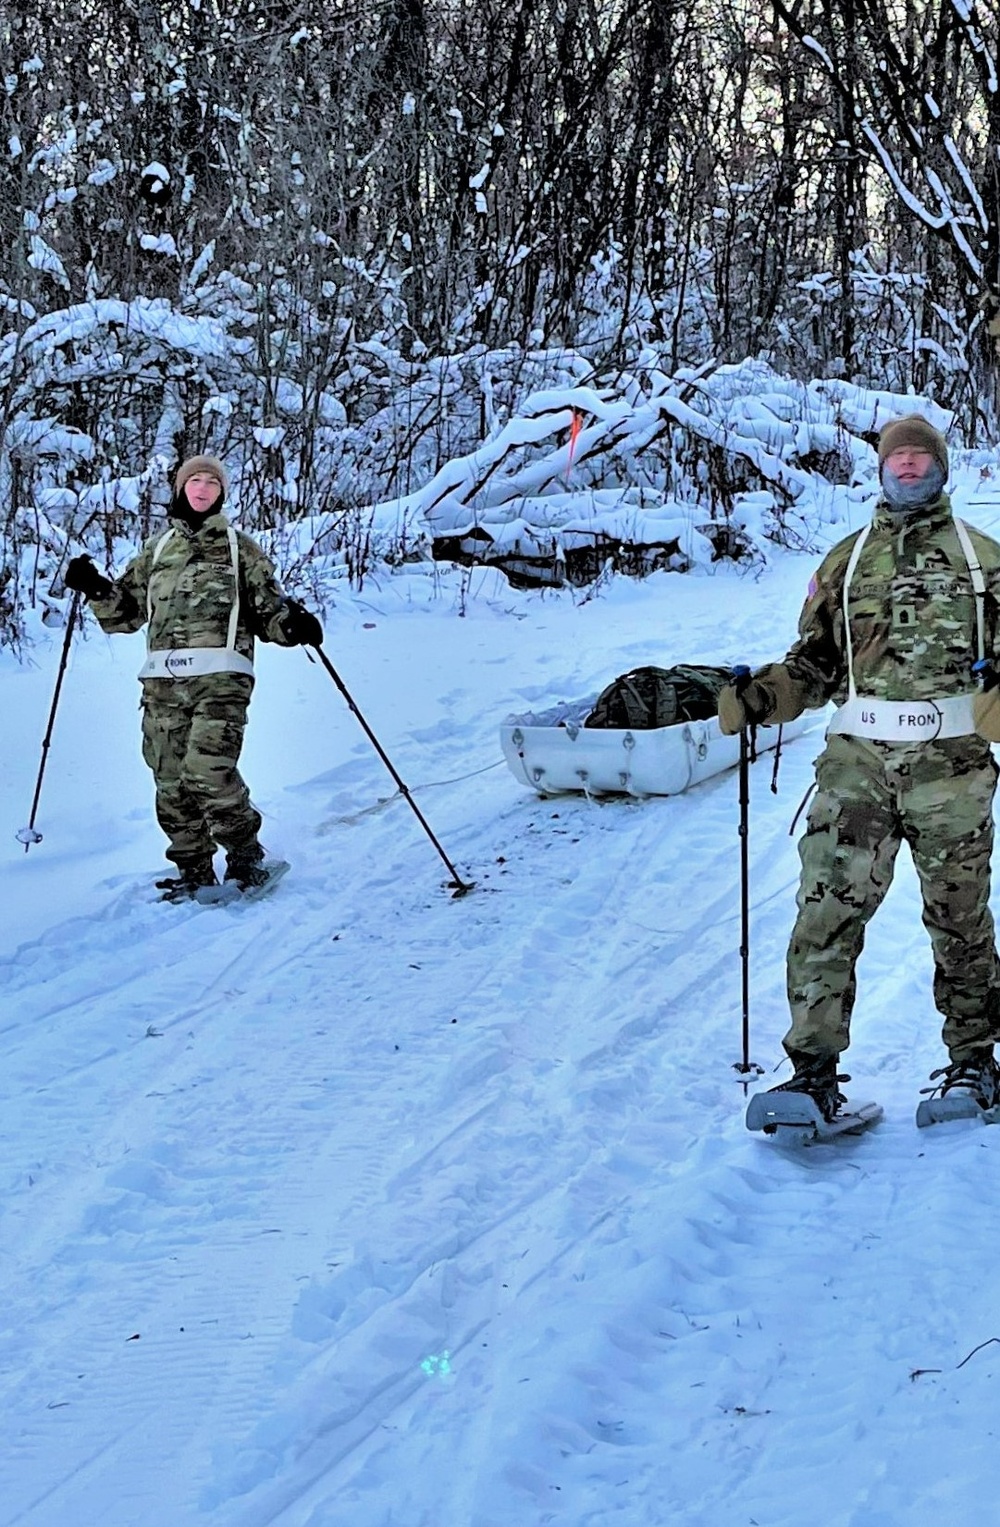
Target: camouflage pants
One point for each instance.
(192, 735)
(938, 798)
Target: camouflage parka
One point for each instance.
(186, 591)
(912, 612)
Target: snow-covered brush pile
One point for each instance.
(650, 471)
(346, 456)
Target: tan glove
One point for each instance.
(986, 714)
(771, 697)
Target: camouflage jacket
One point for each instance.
(912, 612)
(186, 591)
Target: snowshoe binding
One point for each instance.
(193, 879)
(810, 1106)
(964, 1089)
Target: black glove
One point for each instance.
(301, 626)
(82, 576)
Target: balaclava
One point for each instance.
(914, 429)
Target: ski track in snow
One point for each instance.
(363, 1204)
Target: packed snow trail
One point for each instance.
(367, 1205)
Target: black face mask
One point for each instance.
(181, 510)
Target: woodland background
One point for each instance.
(345, 248)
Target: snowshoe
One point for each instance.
(795, 1118)
(965, 1089)
(810, 1106)
(265, 875)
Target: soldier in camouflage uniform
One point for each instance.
(205, 591)
(896, 616)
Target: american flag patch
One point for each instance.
(813, 586)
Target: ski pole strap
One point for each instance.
(777, 759)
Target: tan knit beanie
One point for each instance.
(913, 430)
(200, 464)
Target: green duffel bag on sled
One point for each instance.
(649, 697)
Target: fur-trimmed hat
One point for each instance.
(206, 464)
(914, 429)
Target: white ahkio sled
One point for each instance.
(554, 753)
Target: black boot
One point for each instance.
(246, 867)
(816, 1076)
(193, 876)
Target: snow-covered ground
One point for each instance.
(368, 1207)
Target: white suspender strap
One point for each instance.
(848, 575)
(978, 584)
(234, 614)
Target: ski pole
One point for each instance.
(28, 835)
(741, 678)
(458, 886)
